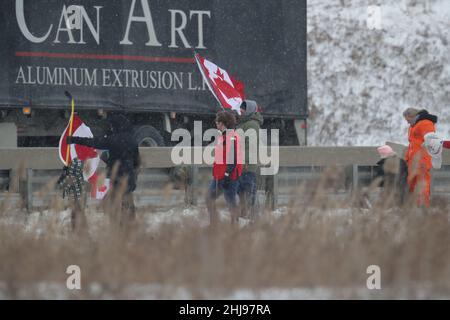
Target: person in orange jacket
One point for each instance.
(419, 161)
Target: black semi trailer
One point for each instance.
(137, 57)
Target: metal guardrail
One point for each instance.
(160, 157)
(297, 164)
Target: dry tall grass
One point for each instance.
(321, 243)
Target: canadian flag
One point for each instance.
(227, 90)
(100, 186)
(87, 154)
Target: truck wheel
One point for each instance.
(148, 136)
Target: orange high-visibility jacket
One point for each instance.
(416, 133)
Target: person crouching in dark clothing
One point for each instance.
(392, 174)
(122, 163)
(227, 168)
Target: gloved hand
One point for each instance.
(69, 140)
(104, 156)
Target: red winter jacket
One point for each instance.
(228, 159)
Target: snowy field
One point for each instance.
(291, 253)
(361, 80)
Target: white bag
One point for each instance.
(433, 145)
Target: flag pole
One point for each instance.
(67, 93)
(206, 79)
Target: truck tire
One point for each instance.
(148, 136)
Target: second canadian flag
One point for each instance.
(228, 91)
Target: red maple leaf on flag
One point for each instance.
(227, 90)
(219, 74)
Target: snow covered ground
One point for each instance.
(56, 291)
(58, 222)
(38, 223)
(360, 80)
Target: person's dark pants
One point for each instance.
(216, 188)
(119, 202)
(78, 217)
(128, 209)
(247, 194)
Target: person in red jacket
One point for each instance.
(227, 168)
(418, 159)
